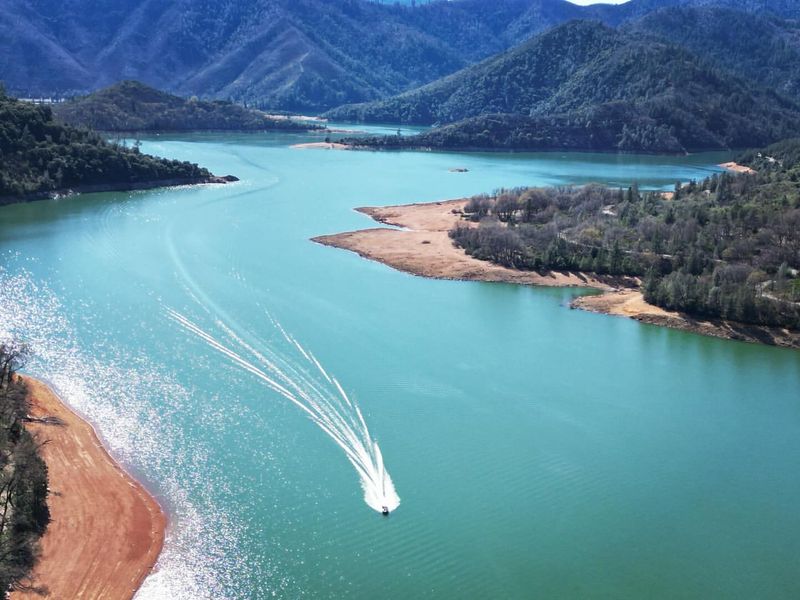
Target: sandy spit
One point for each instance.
(631, 304)
(424, 247)
(321, 146)
(737, 168)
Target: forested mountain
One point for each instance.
(727, 247)
(297, 54)
(586, 86)
(39, 155)
(291, 54)
(133, 106)
(523, 81)
(768, 54)
(788, 9)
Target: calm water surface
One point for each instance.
(539, 452)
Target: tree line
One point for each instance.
(24, 514)
(726, 247)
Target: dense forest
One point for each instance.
(768, 55)
(24, 515)
(585, 86)
(38, 155)
(615, 126)
(726, 247)
(133, 106)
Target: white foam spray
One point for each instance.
(307, 385)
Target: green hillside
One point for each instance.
(294, 55)
(39, 155)
(133, 106)
(583, 85)
(769, 54)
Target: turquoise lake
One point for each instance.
(539, 452)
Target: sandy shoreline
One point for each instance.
(631, 304)
(106, 531)
(423, 247)
(737, 168)
(321, 146)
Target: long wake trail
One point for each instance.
(305, 383)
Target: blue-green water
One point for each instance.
(539, 452)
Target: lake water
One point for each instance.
(538, 452)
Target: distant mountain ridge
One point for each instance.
(586, 86)
(291, 54)
(295, 54)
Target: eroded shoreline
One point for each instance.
(106, 530)
(424, 248)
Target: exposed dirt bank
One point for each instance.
(106, 531)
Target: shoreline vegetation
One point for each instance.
(451, 240)
(43, 158)
(129, 186)
(106, 531)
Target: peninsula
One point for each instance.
(43, 158)
(651, 254)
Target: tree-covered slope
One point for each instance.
(516, 82)
(39, 155)
(787, 9)
(768, 54)
(292, 54)
(133, 106)
(298, 54)
(584, 85)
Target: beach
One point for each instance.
(423, 247)
(321, 146)
(106, 530)
(737, 168)
(631, 303)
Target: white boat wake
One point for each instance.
(311, 388)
